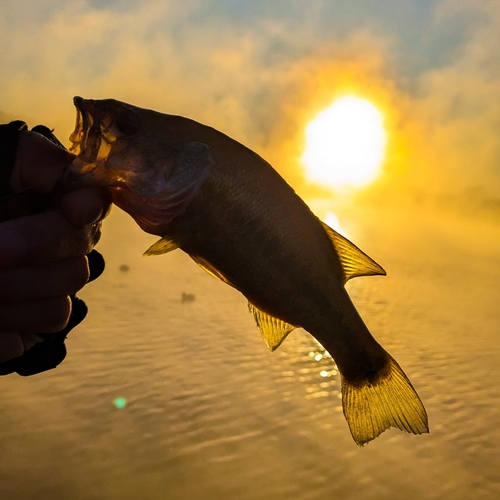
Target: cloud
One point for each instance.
(458, 107)
(259, 71)
(165, 55)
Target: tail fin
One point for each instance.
(388, 400)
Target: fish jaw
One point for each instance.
(152, 174)
(105, 155)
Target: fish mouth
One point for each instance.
(85, 141)
(78, 138)
(92, 142)
(99, 141)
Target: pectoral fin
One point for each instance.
(353, 260)
(273, 329)
(163, 245)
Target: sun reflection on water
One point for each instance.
(313, 366)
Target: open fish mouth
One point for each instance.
(84, 122)
(87, 141)
(96, 133)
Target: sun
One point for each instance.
(345, 144)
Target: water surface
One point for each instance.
(211, 413)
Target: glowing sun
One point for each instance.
(345, 144)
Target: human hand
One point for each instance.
(43, 246)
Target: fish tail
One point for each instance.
(384, 400)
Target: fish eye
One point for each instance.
(127, 121)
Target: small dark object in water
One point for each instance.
(187, 297)
(124, 268)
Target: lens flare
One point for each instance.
(345, 144)
(120, 403)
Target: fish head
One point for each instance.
(152, 169)
(105, 141)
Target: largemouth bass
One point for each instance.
(221, 203)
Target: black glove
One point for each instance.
(51, 352)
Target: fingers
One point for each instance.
(42, 252)
(57, 279)
(39, 352)
(46, 315)
(86, 206)
(39, 239)
(39, 163)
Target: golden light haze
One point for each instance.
(210, 412)
(262, 77)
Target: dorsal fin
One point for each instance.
(163, 245)
(210, 269)
(353, 260)
(273, 330)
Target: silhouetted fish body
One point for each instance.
(225, 206)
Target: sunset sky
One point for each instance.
(261, 70)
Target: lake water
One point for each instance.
(210, 413)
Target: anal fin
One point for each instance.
(274, 330)
(353, 260)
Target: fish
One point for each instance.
(217, 200)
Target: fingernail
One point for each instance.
(12, 248)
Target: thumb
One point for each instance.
(39, 163)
